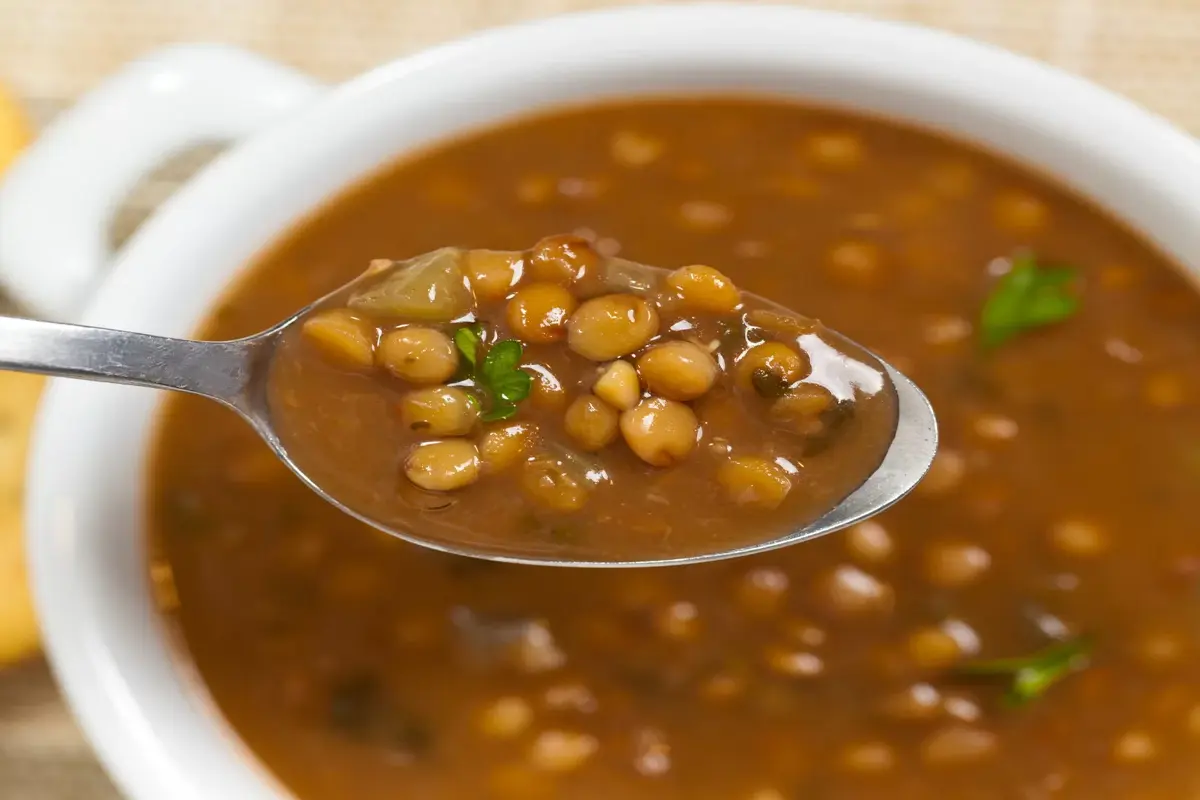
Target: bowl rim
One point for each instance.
(1159, 164)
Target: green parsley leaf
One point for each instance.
(512, 387)
(498, 374)
(501, 373)
(502, 359)
(1028, 296)
(499, 411)
(1032, 675)
(468, 340)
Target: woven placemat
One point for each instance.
(1147, 49)
(52, 50)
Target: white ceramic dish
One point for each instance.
(148, 717)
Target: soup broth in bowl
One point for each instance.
(1022, 626)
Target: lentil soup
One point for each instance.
(1023, 626)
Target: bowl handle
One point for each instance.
(58, 200)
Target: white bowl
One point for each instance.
(147, 715)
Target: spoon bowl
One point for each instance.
(238, 374)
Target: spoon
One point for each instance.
(235, 374)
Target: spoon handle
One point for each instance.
(218, 370)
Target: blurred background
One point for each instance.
(52, 51)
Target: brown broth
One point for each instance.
(1061, 503)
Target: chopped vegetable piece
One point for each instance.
(620, 387)
(622, 275)
(429, 288)
(1028, 296)
(781, 324)
(1032, 675)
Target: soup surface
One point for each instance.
(673, 415)
(1055, 529)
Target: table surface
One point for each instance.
(53, 50)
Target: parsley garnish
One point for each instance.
(468, 340)
(1032, 675)
(1028, 296)
(497, 374)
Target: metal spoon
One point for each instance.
(234, 373)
